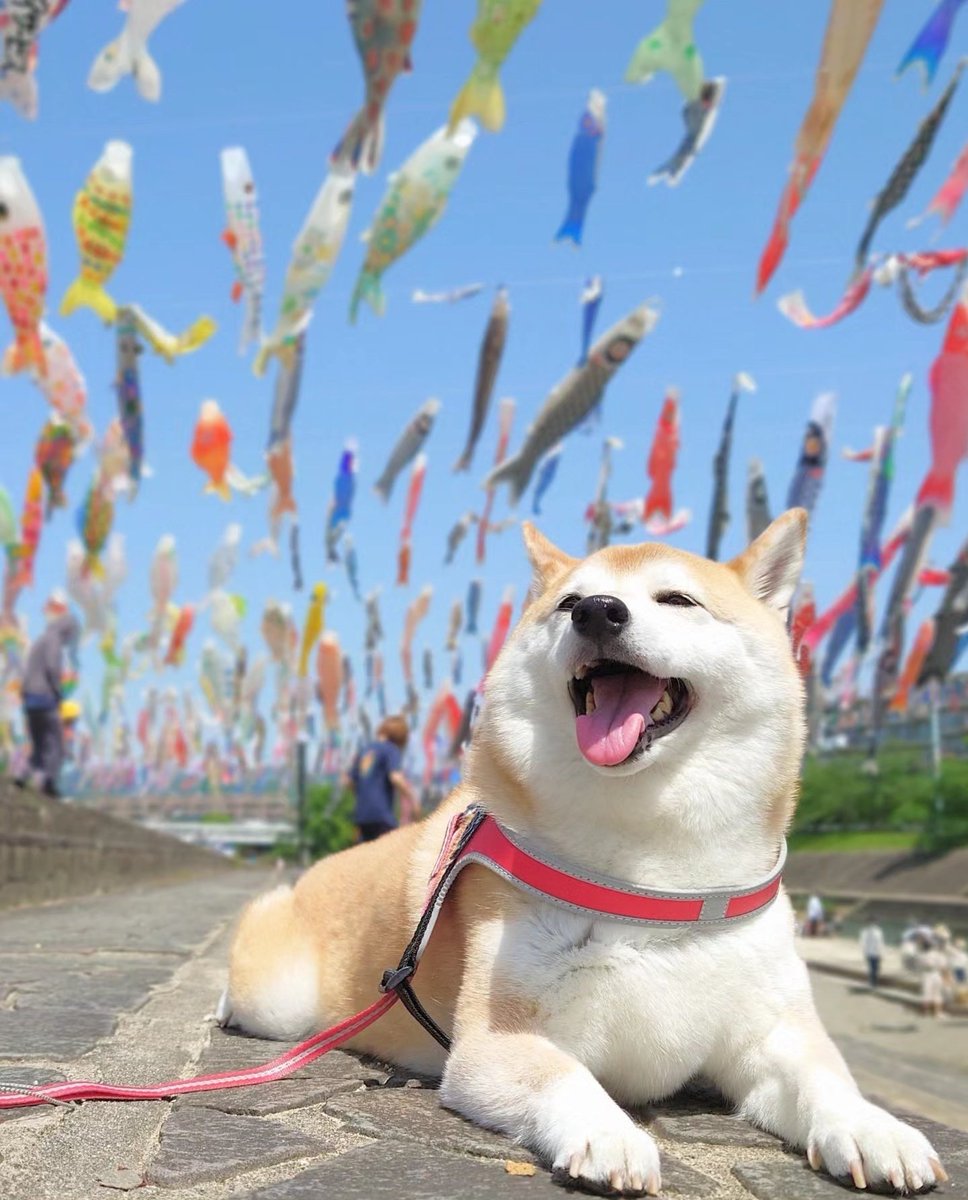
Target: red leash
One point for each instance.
(471, 837)
(279, 1068)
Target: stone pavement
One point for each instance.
(119, 987)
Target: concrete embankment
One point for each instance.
(50, 850)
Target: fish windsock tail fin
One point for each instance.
(658, 503)
(84, 294)
(268, 545)
(268, 347)
(220, 488)
(481, 96)
(361, 146)
(172, 345)
(464, 462)
(147, 76)
(283, 505)
(796, 188)
(93, 566)
(113, 62)
(571, 227)
(117, 60)
(196, 335)
(649, 56)
(772, 253)
(25, 353)
(938, 492)
(20, 89)
(368, 288)
(515, 472)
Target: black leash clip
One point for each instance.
(393, 980)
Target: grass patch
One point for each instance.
(841, 799)
(856, 840)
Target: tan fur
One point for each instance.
(357, 909)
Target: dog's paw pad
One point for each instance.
(873, 1150)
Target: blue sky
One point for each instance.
(283, 82)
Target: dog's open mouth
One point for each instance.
(621, 710)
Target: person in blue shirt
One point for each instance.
(377, 775)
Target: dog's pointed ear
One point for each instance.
(547, 561)
(770, 567)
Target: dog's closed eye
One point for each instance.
(677, 599)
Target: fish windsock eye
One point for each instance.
(4, 211)
(451, 162)
(618, 351)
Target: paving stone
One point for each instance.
(330, 1075)
(199, 1145)
(791, 1178)
(417, 1116)
(31, 1076)
(58, 1006)
(53, 1033)
(173, 919)
(394, 1169)
(717, 1129)
(681, 1180)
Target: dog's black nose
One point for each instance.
(599, 616)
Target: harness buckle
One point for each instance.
(392, 980)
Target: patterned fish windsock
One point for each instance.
(101, 216)
(8, 520)
(574, 397)
(94, 520)
(128, 53)
(383, 31)
(313, 626)
(243, 237)
(212, 447)
(23, 268)
(948, 419)
(23, 23)
(53, 455)
(64, 387)
(315, 250)
(583, 161)
(498, 25)
(415, 200)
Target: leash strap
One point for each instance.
(472, 836)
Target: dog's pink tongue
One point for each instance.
(608, 736)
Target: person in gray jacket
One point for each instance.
(42, 692)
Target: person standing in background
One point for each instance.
(872, 947)
(42, 691)
(376, 776)
(933, 964)
(814, 916)
(958, 962)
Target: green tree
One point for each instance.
(328, 823)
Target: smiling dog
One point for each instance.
(644, 721)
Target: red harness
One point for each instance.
(472, 837)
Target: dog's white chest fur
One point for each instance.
(645, 1009)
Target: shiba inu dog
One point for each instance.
(643, 722)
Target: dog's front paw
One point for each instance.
(867, 1145)
(620, 1161)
